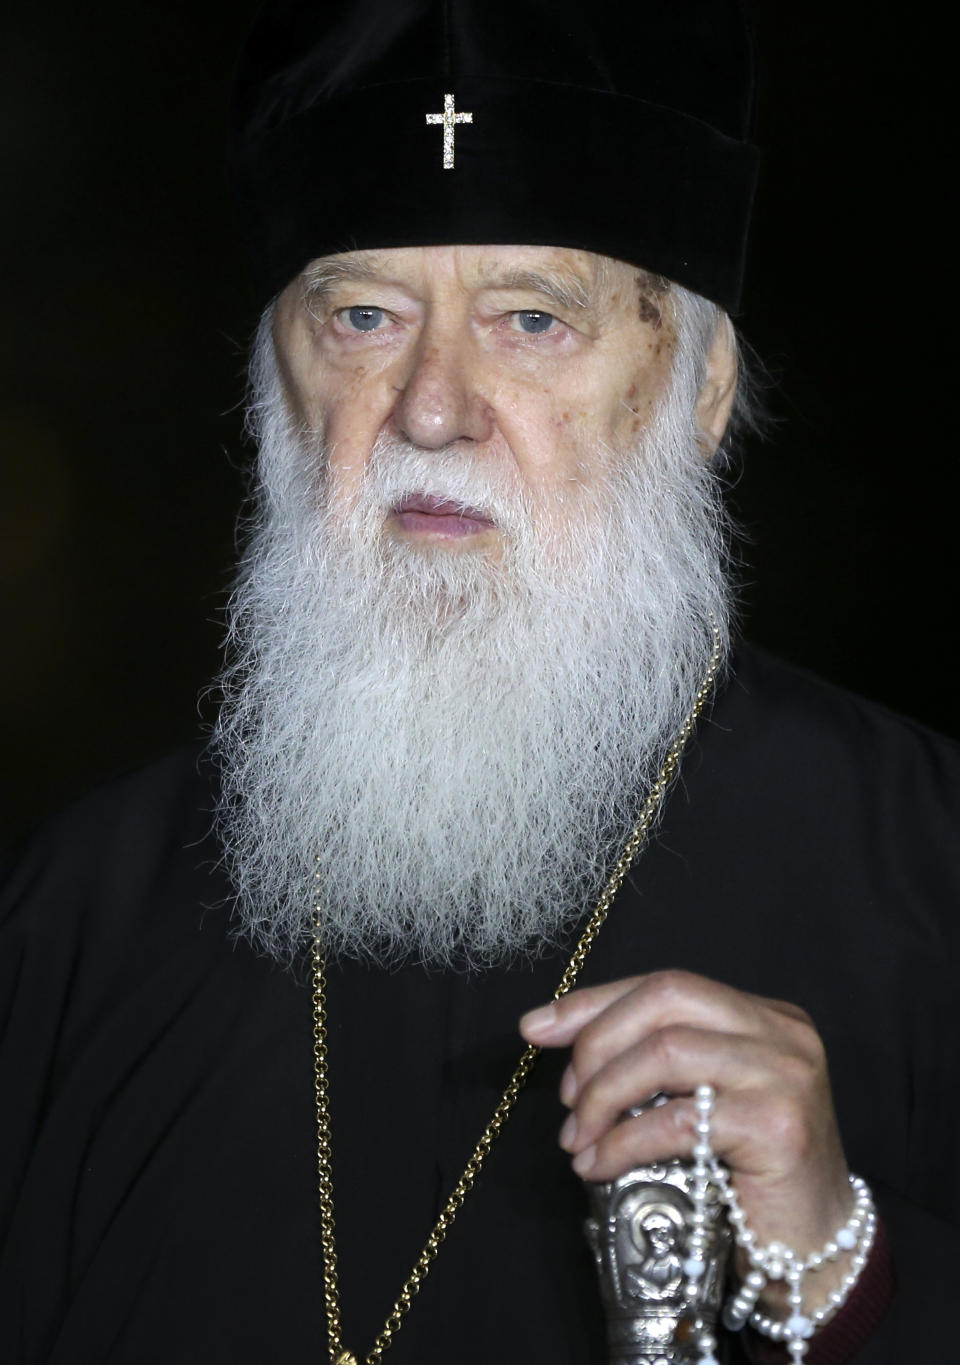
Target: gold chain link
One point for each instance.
(411, 1286)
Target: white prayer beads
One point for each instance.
(773, 1262)
(695, 1265)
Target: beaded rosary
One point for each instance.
(773, 1262)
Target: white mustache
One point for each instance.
(398, 471)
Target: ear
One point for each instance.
(715, 401)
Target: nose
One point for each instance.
(441, 402)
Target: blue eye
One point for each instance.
(364, 319)
(534, 322)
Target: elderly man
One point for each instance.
(482, 618)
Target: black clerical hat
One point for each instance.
(617, 126)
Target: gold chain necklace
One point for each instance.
(331, 1290)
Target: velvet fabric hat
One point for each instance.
(619, 128)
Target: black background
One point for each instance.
(126, 320)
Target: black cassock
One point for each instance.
(158, 1181)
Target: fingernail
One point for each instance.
(568, 1132)
(539, 1021)
(568, 1087)
(585, 1161)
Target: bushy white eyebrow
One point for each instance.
(567, 291)
(322, 275)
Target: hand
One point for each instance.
(773, 1123)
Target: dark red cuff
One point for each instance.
(843, 1336)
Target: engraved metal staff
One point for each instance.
(639, 1231)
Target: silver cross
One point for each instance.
(448, 118)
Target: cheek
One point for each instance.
(543, 434)
(639, 401)
(548, 423)
(349, 411)
(644, 391)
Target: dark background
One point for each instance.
(127, 316)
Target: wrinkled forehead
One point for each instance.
(573, 279)
(473, 265)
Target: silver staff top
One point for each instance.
(639, 1229)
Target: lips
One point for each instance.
(421, 512)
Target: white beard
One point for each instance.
(456, 744)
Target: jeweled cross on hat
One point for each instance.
(449, 118)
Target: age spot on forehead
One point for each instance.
(650, 288)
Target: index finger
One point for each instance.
(559, 1022)
(661, 997)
